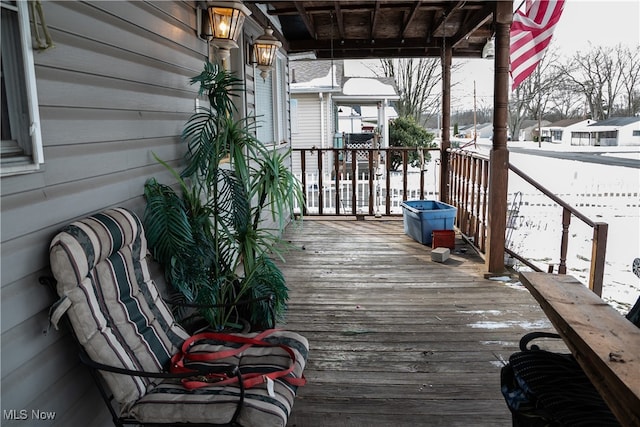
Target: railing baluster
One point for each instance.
(405, 164)
(320, 183)
(465, 194)
(354, 184)
(598, 252)
(479, 210)
(564, 242)
(372, 153)
(336, 171)
(388, 182)
(485, 205)
(303, 166)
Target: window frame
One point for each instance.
(265, 108)
(275, 106)
(30, 162)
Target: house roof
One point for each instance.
(368, 89)
(316, 75)
(530, 123)
(565, 123)
(617, 121)
(307, 70)
(380, 29)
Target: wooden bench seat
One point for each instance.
(605, 344)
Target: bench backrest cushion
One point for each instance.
(116, 310)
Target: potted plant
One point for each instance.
(210, 236)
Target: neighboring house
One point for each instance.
(372, 97)
(362, 118)
(484, 130)
(560, 132)
(92, 113)
(479, 130)
(313, 111)
(325, 105)
(616, 131)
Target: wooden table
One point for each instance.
(605, 343)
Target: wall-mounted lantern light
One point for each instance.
(489, 49)
(264, 51)
(220, 23)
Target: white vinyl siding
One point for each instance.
(21, 146)
(112, 93)
(295, 128)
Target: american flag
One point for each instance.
(531, 33)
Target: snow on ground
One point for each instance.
(603, 193)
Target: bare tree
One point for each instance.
(565, 103)
(418, 81)
(518, 108)
(534, 95)
(599, 76)
(629, 62)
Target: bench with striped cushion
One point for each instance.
(120, 319)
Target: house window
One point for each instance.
(636, 133)
(21, 149)
(264, 108)
(609, 134)
(281, 99)
(271, 104)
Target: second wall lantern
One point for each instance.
(264, 51)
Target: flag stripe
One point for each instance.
(531, 33)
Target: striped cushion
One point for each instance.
(116, 312)
(170, 402)
(121, 320)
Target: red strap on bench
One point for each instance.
(248, 380)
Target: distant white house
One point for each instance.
(616, 131)
(529, 129)
(481, 130)
(561, 132)
(325, 105)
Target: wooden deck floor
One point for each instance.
(397, 339)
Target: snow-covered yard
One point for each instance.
(603, 193)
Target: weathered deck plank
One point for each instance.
(397, 339)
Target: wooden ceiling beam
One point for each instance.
(439, 26)
(359, 44)
(339, 20)
(412, 15)
(374, 19)
(305, 18)
(475, 21)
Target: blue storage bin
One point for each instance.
(421, 217)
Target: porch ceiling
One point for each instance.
(356, 29)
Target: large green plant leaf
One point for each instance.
(266, 279)
(220, 86)
(166, 223)
(277, 188)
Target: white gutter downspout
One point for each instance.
(322, 136)
(382, 123)
(330, 118)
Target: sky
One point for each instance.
(584, 23)
(599, 22)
